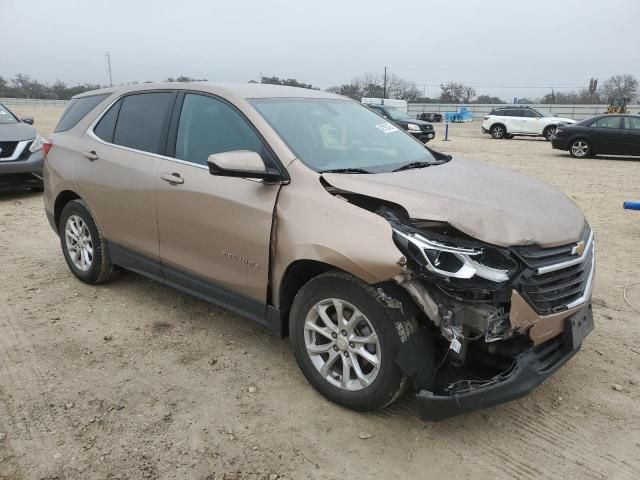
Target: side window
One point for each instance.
(518, 112)
(77, 110)
(107, 124)
(503, 112)
(632, 123)
(530, 113)
(209, 126)
(143, 121)
(608, 122)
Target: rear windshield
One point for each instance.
(77, 110)
(6, 116)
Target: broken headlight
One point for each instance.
(453, 261)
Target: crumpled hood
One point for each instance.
(15, 132)
(491, 204)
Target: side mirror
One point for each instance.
(28, 120)
(241, 164)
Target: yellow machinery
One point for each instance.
(617, 105)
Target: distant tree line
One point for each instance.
(289, 82)
(23, 86)
(365, 85)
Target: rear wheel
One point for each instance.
(83, 245)
(580, 148)
(549, 132)
(498, 131)
(345, 339)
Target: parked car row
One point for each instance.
(388, 264)
(607, 134)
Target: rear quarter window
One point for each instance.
(77, 109)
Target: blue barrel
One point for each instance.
(631, 205)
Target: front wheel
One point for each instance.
(498, 131)
(580, 148)
(550, 132)
(345, 339)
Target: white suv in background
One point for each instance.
(506, 122)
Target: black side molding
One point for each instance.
(266, 315)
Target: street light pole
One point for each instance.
(108, 55)
(384, 86)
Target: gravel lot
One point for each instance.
(135, 380)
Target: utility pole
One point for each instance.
(384, 86)
(108, 55)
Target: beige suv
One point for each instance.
(389, 265)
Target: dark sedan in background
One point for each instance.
(420, 129)
(21, 155)
(602, 135)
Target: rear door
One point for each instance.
(607, 135)
(214, 231)
(531, 122)
(631, 137)
(117, 175)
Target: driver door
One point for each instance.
(214, 231)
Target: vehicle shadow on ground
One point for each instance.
(17, 194)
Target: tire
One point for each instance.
(498, 131)
(549, 132)
(580, 148)
(383, 383)
(76, 222)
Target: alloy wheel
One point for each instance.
(342, 344)
(580, 148)
(79, 242)
(497, 132)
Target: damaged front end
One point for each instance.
(498, 320)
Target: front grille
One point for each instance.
(7, 149)
(553, 291)
(426, 128)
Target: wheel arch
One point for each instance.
(61, 201)
(501, 124)
(296, 276)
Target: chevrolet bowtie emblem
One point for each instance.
(579, 248)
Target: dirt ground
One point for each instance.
(135, 380)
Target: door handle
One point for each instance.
(173, 178)
(91, 155)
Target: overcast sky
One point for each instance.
(493, 45)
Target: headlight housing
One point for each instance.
(36, 144)
(451, 261)
(413, 127)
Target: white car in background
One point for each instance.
(507, 122)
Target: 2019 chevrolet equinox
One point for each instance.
(388, 265)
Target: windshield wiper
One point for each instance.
(411, 165)
(345, 170)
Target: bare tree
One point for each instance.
(620, 86)
(454, 92)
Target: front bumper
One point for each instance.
(31, 166)
(528, 370)
(559, 143)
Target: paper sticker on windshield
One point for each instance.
(386, 127)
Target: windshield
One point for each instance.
(329, 134)
(543, 112)
(6, 116)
